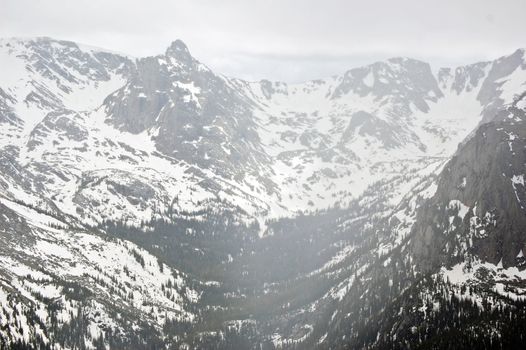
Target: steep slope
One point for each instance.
(457, 280)
(61, 284)
(479, 206)
(191, 111)
(348, 132)
(42, 75)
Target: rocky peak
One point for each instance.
(404, 79)
(464, 78)
(179, 51)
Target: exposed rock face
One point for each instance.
(463, 79)
(403, 79)
(480, 204)
(490, 94)
(7, 115)
(369, 126)
(193, 114)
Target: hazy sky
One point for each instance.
(281, 40)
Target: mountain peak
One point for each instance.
(178, 49)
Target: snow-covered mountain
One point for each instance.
(179, 192)
(271, 148)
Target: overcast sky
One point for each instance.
(281, 40)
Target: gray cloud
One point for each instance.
(284, 40)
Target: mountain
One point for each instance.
(458, 280)
(480, 198)
(152, 202)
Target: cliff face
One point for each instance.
(480, 201)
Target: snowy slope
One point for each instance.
(89, 137)
(274, 149)
(53, 269)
